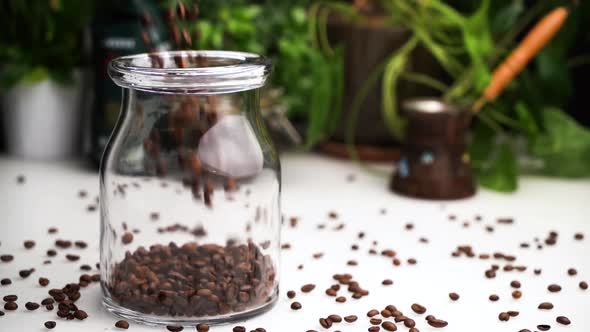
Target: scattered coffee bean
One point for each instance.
(43, 281)
(579, 236)
(7, 281)
(516, 294)
(335, 318)
(239, 329)
(6, 258)
(325, 323)
(375, 321)
(537, 271)
(81, 244)
(554, 288)
(387, 282)
(26, 273)
(544, 327)
(295, 305)
(176, 328)
(352, 263)
(203, 327)
(85, 267)
(80, 314)
(32, 306)
(307, 288)
(389, 326)
(583, 285)
(127, 238)
(438, 323)
(48, 301)
(52, 230)
(412, 261)
(10, 298)
(572, 272)
(372, 313)
(29, 244)
(419, 309)
(503, 316)
(563, 320)
(413, 329)
(454, 296)
(20, 179)
(546, 306)
(72, 258)
(525, 330)
(122, 324)
(409, 323)
(513, 313)
(291, 294)
(374, 329)
(49, 307)
(515, 284)
(51, 253)
(350, 318)
(10, 306)
(50, 324)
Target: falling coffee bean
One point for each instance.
(295, 305)
(583, 285)
(7, 281)
(387, 282)
(335, 318)
(374, 329)
(325, 323)
(239, 329)
(454, 296)
(80, 314)
(50, 324)
(554, 288)
(572, 272)
(350, 318)
(516, 294)
(544, 327)
(503, 316)
(515, 284)
(291, 294)
(29, 244)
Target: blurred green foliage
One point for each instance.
(41, 39)
(311, 82)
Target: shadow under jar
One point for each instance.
(190, 191)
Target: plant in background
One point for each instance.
(468, 47)
(309, 81)
(41, 39)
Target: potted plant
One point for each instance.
(41, 51)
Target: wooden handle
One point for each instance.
(534, 41)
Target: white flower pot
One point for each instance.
(42, 120)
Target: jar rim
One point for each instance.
(232, 72)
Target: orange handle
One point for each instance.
(534, 41)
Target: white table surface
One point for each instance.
(312, 187)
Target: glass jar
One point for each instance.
(190, 191)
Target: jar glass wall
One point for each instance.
(190, 191)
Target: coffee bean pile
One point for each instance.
(193, 280)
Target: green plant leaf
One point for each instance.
(506, 17)
(527, 120)
(501, 173)
(564, 147)
(479, 43)
(35, 75)
(395, 66)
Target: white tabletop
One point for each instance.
(313, 186)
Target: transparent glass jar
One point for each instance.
(190, 191)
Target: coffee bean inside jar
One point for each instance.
(190, 191)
